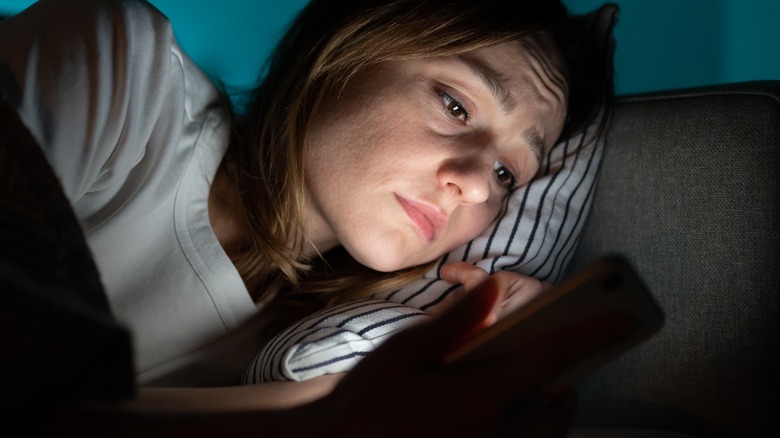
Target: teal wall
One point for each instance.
(665, 44)
(661, 43)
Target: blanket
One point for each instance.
(61, 343)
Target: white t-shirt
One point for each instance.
(135, 133)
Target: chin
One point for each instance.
(382, 264)
(382, 258)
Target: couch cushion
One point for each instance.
(689, 193)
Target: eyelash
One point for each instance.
(501, 171)
(452, 105)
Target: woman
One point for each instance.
(377, 129)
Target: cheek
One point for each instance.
(472, 222)
(358, 129)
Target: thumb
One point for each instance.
(433, 339)
(464, 273)
(467, 317)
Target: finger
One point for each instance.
(427, 342)
(464, 273)
(479, 307)
(468, 316)
(520, 291)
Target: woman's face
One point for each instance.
(415, 158)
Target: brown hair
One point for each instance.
(330, 42)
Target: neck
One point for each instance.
(320, 235)
(230, 229)
(222, 207)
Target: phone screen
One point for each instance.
(609, 291)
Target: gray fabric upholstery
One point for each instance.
(689, 194)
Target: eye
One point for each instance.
(505, 176)
(455, 108)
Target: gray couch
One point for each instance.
(689, 194)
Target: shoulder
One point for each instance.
(85, 31)
(129, 17)
(82, 20)
(95, 81)
(131, 22)
(138, 13)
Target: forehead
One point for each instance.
(526, 82)
(528, 70)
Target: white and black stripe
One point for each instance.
(330, 341)
(536, 236)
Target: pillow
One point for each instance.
(536, 236)
(330, 341)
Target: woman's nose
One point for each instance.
(467, 179)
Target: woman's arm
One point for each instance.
(399, 388)
(271, 396)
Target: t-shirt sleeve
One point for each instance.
(93, 80)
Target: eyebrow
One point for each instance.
(536, 141)
(493, 80)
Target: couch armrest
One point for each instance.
(689, 193)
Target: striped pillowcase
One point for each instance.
(536, 236)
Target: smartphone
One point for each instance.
(607, 290)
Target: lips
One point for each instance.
(427, 220)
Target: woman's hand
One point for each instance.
(400, 388)
(403, 387)
(516, 289)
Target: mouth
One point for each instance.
(427, 220)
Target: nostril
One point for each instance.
(467, 179)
